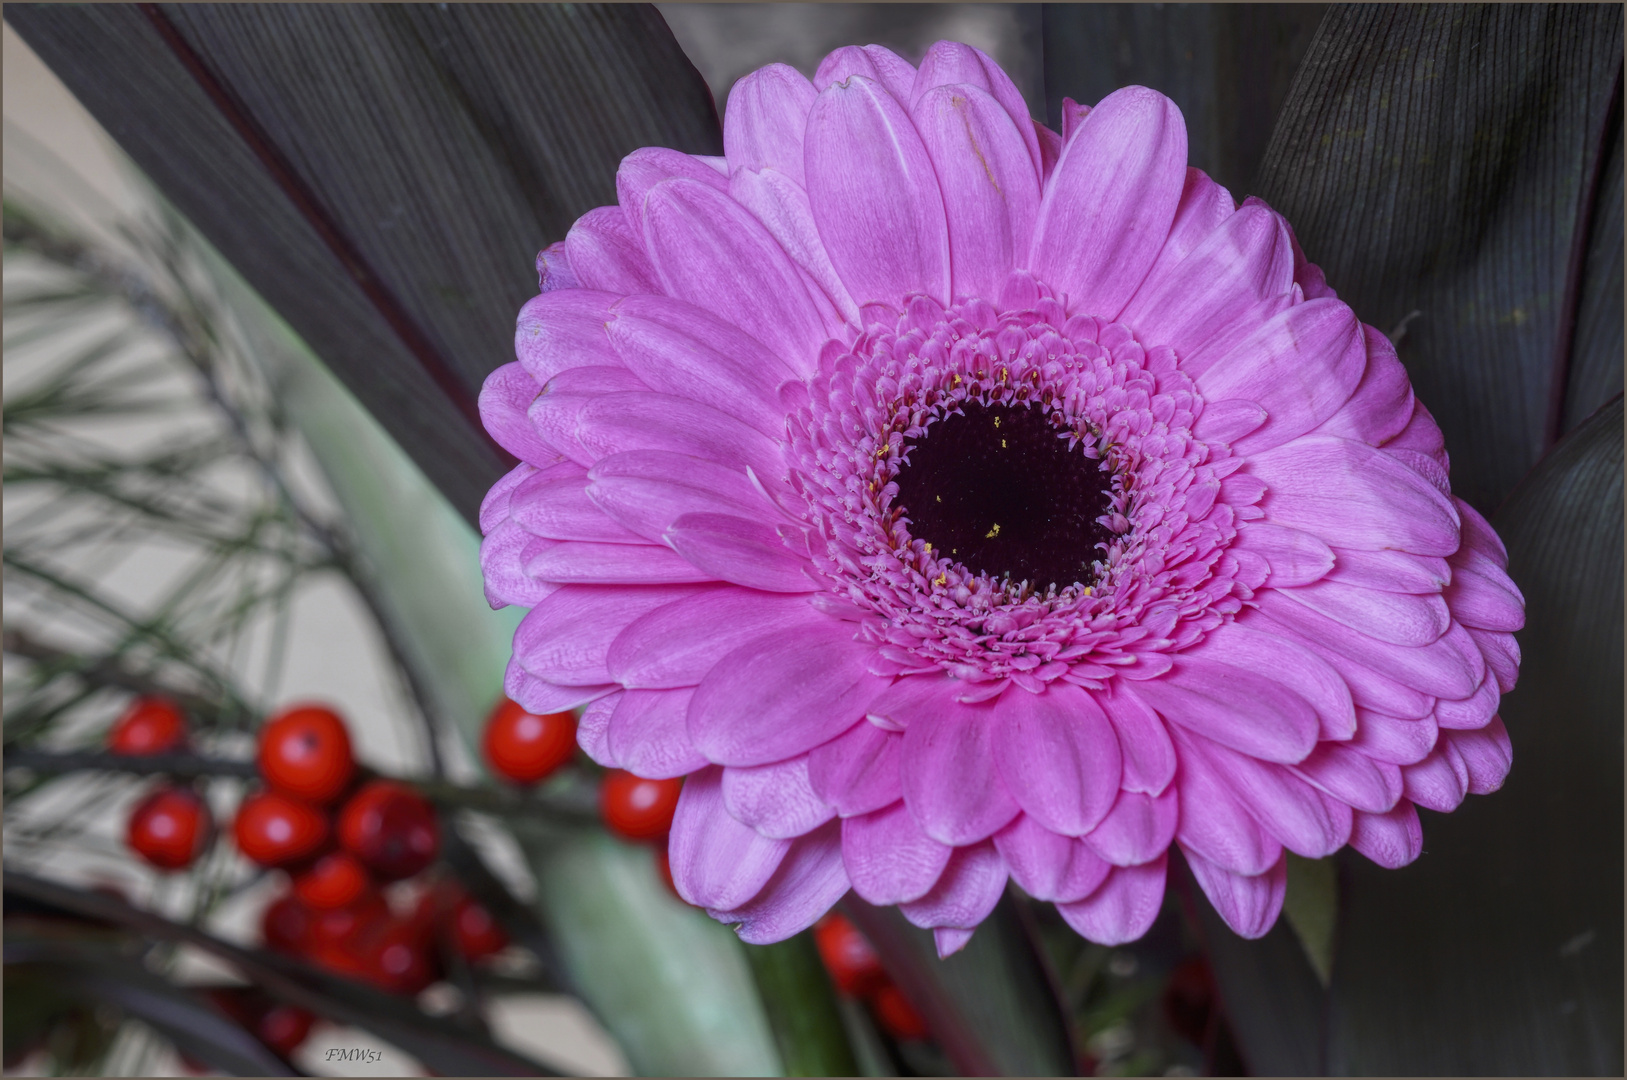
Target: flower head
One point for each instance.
(954, 502)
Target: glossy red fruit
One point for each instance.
(286, 925)
(391, 828)
(284, 1028)
(525, 747)
(336, 879)
(170, 828)
(305, 752)
(852, 963)
(149, 726)
(475, 933)
(896, 1015)
(636, 808)
(344, 926)
(399, 958)
(274, 830)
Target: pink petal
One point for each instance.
(782, 694)
(1246, 325)
(565, 638)
(1148, 756)
(1058, 757)
(1046, 865)
(874, 195)
(554, 269)
(561, 330)
(593, 730)
(991, 189)
(581, 563)
(494, 505)
(1351, 776)
(649, 166)
(678, 644)
(503, 555)
(1478, 535)
(606, 254)
(1214, 819)
(1245, 260)
(764, 120)
(810, 879)
(1296, 558)
(745, 552)
(968, 890)
(1250, 904)
(1391, 571)
(1285, 806)
(1443, 668)
(1109, 205)
(1301, 366)
(1487, 755)
(504, 398)
(647, 490)
(949, 940)
(648, 734)
(951, 62)
(539, 697)
(786, 213)
(717, 862)
(1414, 619)
(912, 696)
(1501, 654)
(1228, 421)
(1250, 644)
(1234, 706)
(1485, 603)
(776, 799)
(554, 504)
(1368, 689)
(1421, 434)
(949, 776)
(875, 62)
(1137, 830)
(710, 251)
(1392, 840)
(617, 423)
(1472, 712)
(1354, 496)
(1439, 781)
(1393, 740)
(889, 858)
(1050, 148)
(857, 771)
(1203, 208)
(1123, 908)
(713, 339)
(1382, 404)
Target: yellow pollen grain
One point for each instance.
(996, 421)
(992, 533)
(1002, 444)
(938, 497)
(941, 578)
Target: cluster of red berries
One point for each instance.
(171, 826)
(857, 973)
(526, 748)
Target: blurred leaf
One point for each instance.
(1500, 949)
(1228, 67)
(1444, 160)
(990, 1005)
(670, 984)
(1312, 909)
(801, 1007)
(1594, 376)
(385, 174)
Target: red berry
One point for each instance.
(343, 926)
(148, 726)
(305, 752)
(398, 958)
(286, 925)
(637, 808)
(391, 828)
(170, 828)
(274, 830)
(525, 747)
(896, 1015)
(848, 957)
(475, 932)
(337, 879)
(284, 1027)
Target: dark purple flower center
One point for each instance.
(1000, 490)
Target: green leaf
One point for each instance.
(1441, 163)
(801, 1007)
(1227, 66)
(384, 175)
(990, 1005)
(1312, 909)
(1500, 949)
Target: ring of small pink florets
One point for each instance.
(1161, 582)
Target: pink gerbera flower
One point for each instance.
(954, 502)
